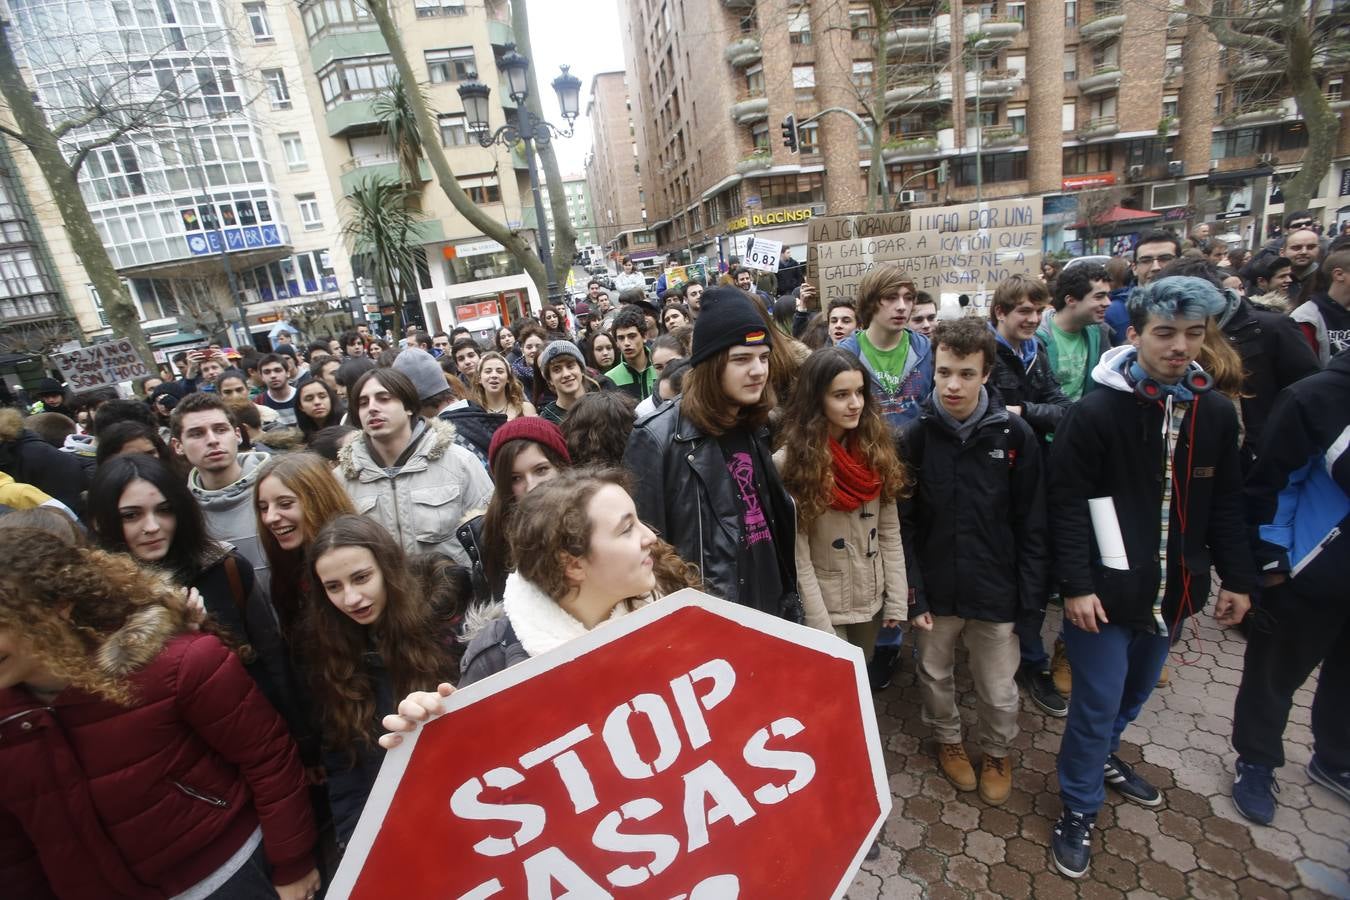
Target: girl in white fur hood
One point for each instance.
(582, 558)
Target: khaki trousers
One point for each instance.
(861, 634)
(994, 658)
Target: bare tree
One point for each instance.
(40, 337)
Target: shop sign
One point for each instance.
(1078, 182)
(775, 217)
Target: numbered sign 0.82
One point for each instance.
(762, 254)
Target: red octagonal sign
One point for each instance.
(693, 749)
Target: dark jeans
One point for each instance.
(1295, 632)
(1028, 631)
(1113, 674)
(253, 881)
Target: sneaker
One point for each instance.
(1336, 782)
(995, 779)
(1060, 672)
(955, 764)
(1254, 790)
(1129, 783)
(881, 666)
(1041, 687)
(1071, 843)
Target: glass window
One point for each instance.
(455, 64)
(759, 134)
(277, 90)
(1166, 196)
(860, 21)
(1170, 106)
(1071, 13)
(1017, 120)
(1069, 116)
(309, 211)
(804, 78)
(799, 27)
(862, 74)
(754, 80)
(429, 8)
(293, 148)
(808, 137)
(258, 22)
(997, 167)
(1085, 160)
(454, 130)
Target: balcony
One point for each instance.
(1104, 79)
(920, 91)
(1178, 19)
(994, 31)
(920, 144)
(907, 36)
(743, 52)
(1101, 126)
(739, 5)
(1002, 136)
(993, 83)
(750, 109)
(1254, 66)
(1258, 113)
(500, 33)
(1105, 27)
(352, 117)
(757, 161)
(355, 171)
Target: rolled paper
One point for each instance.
(1106, 527)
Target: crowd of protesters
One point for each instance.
(224, 598)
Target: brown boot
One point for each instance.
(1060, 672)
(956, 766)
(1164, 678)
(995, 779)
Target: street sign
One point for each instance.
(693, 748)
(100, 365)
(763, 254)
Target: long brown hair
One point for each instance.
(515, 392)
(408, 637)
(495, 552)
(808, 470)
(64, 601)
(705, 403)
(1218, 358)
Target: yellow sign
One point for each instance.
(776, 217)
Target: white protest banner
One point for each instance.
(763, 254)
(100, 365)
(950, 249)
(693, 748)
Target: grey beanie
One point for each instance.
(557, 349)
(423, 371)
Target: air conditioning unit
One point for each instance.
(1213, 164)
(908, 196)
(1134, 173)
(1176, 168)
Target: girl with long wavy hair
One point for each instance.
(498, 390)
(141, 759)
(372, 632)
(584, 559)
(839, 463)
(294, 497)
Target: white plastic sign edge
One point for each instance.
(396, 760)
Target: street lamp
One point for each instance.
(526, 128)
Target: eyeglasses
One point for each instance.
(1308, 223)
(1162, 259)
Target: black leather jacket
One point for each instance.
(683, 490)
(1035, 390)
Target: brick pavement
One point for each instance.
(939, 844)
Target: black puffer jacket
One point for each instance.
(474, 427)
(975, 525)
(1274, 356)
(1035, 389)
(683, 490)
(28, 459)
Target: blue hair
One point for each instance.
(1176, 297)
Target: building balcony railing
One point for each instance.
(921, 144)
(1000, 28)
(739, 4)
(743, 52)
(1258, 113)
(1104, 78)
(1255, 66)
(1105, 27)
(918, 91)
(935, 34)
(993, 82)
(750, 109)
(355, 171)
(1002, 136)
(1100, 126)
(757, 161)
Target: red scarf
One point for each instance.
(854, 482)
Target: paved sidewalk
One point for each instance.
(940, 844)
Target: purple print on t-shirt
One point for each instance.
(756, 527)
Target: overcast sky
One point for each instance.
(583, 34)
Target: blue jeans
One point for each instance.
(1114, 672)
(1028, 631)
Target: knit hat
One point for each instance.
(423, 371)
(582, 308)
(728, 319)
(557, 349)
(529, 428)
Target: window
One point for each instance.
(1071, 13)
(1170, 106)
(309, 211)
(759, 135)
(454, 130)
(790, 190)
(427, 9)
(1017, 119)
(1017, 62)
(1218, 103)
(1069, 116)
(997, 167)
(1085, 160)
(1166, 196)
(482, 189)
(257, 21)
(808, 137)
(455, 64)
(1070, 65)
(860, 21)
(354, 78)
(799, 27)
(754, 80)
(294, 150)
(1334, 90)
(1172, 61)
(1243, 142)
(277, 91)
(804, 79)
(323, 17)
(862, 75)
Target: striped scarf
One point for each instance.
(1174, 413)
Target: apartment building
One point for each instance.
(1053, 98)
(577, 195)
(33, 302)
(614, 169)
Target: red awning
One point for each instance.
(1118, 215)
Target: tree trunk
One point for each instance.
(1318, 117)
(84, 239)
(431, 143)
(564, 235)
(876, 173)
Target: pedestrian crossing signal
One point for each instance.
(790, 133)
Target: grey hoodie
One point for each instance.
(230, 516)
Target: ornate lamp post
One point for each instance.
(527, 128)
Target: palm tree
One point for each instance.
(394, 109)
(381, 229)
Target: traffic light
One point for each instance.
(790, 133)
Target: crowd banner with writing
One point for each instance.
(968, 248)
(100, 365)
(762, 254)
(693, 749)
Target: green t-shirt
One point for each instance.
(1070, 358)
(887, 365)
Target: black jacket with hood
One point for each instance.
(1111, 445)
(28, 459)
(1274, 356)
(1034, 389)
(974, 527)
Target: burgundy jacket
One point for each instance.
(104, 801)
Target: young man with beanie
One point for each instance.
(703, 473)
(51, 397)
(1145, 497)
(975, 530)
(443, 401)
(406, 472)
(564, 371)
(1298, 506)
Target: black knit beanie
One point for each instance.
(727, 319)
